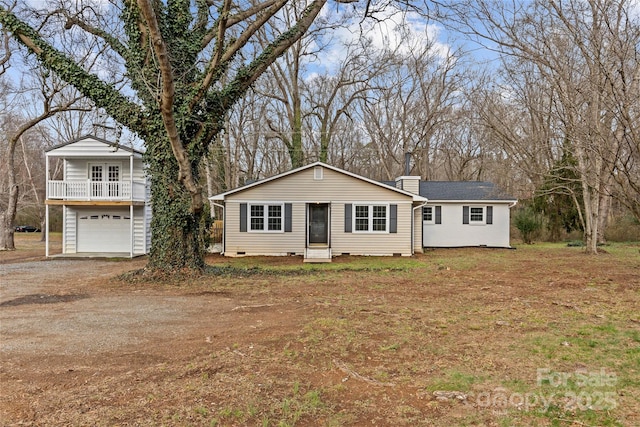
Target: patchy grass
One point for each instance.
(542, 335)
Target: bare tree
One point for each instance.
(413, 99)
(54, 97)
(576, 47)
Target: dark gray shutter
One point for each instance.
(287, 217)
(393, 218)
(347, 218)
(489, 214)
(465, 214)
(438, 214)
(243, 217)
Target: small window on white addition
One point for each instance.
(476, 215)
(428, 215)
(317, 173)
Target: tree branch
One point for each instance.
(185, 174)
(250, 73)
(102, 94)
(237, 18)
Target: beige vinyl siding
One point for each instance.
(417, 231)
(301, 188)
(70, 231)
(333, 187)
(371, 243)
(265, 243)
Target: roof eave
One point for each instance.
(96, 138)
(222, 196)
(473, 200)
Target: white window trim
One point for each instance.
(484, 216)
(370, 218)
(433, 215)
(105, 170)
(265, 217)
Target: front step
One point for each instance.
(317, 255)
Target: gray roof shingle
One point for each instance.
(460, 190)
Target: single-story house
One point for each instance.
(105, 198)
(321, 211)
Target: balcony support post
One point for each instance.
(46, 229)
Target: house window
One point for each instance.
(362, 218)
(476, 215)
(275, 218)
(370, 218)
(266, 217)
(114, 173)
(105, 180)
(427, 214)
(317, 173)
(96, 172)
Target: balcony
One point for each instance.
(96, 190)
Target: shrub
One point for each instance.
(528, 223)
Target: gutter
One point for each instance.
(413, 223)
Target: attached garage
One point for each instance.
(104, 230)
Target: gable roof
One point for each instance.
(97, 139)
(463, 191)
(221, 196)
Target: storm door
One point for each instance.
(318, 220)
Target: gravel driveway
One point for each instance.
(68, 307)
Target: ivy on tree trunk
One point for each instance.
(179, 60)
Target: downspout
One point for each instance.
(131, 210)
(224, 224)
(131, 174)
(413, 215)
(46, 212)
(131, 236)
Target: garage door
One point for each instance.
(104, 231)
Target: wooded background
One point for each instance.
(540, 97)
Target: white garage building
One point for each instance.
(104, 194)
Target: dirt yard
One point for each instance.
(543, 335)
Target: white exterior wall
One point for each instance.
(301, 188)
(453, 233)
(78, 169)
(72, 214)
(69, 220)
(89, 147)
(77, 158)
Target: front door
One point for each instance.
(318, 224)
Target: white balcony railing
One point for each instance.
(95, 190)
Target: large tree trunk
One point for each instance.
(180, 233)
(9, 215)
(6, 230)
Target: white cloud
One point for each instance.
(71, 5)
(390, 29)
